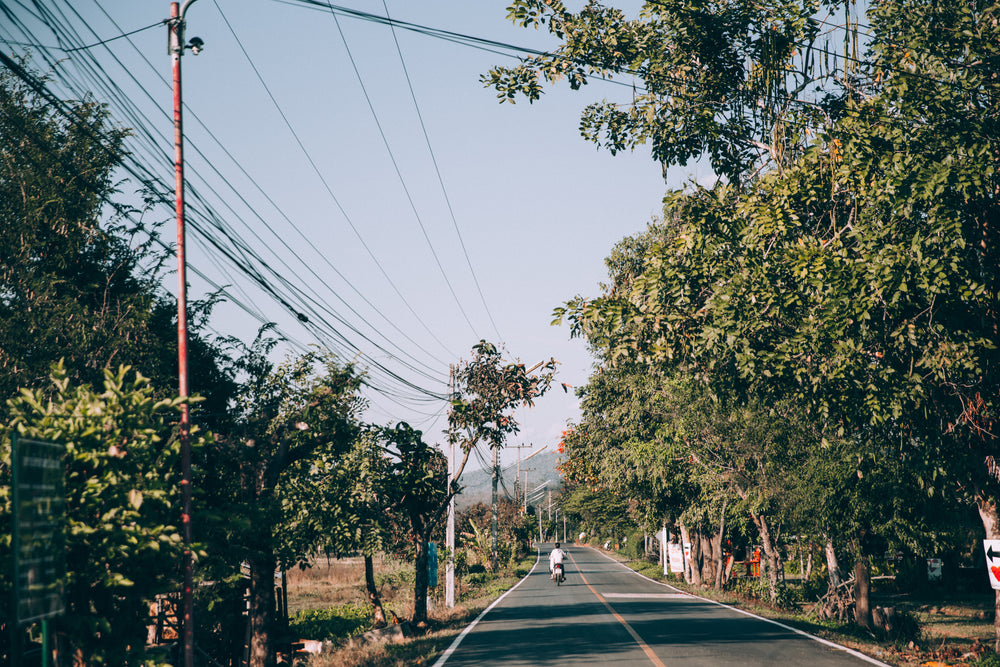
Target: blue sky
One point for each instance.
(536, 206)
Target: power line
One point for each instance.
(399, 175)
(437, 170)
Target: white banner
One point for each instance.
(676, 558)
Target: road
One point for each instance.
(606, 614)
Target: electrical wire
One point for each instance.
(399, 175)
(437, 170)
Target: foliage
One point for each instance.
(122, 476)
(79, 278)
(513, 533)
(269, 485)
(838, 310)
(418, 491)
(725, 80)
(487, 391)
(333, 623)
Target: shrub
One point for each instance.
(337, 622)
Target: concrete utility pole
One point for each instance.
(449, 570)
(493, 523)
(176, 47)
(517, 479)
(526, 472)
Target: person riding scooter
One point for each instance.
(556, 557)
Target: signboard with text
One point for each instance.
(935, 569)
(39, 528)
(676, 553)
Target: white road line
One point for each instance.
(458, 640)
(646, 596)
(839, 647)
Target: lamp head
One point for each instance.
(196, 44)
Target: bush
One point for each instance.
(815, 586)
(338, 622)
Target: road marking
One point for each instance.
(825, 642)
(635, 635)
(648, 596)
(458, 640)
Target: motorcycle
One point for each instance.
(557, 574)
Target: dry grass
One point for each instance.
(333, 582)
(339, 582)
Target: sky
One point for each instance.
(368, 176)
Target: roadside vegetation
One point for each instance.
(796, 366)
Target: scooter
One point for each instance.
(557, 574)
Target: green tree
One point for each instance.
(418, 491)
(860, 279)
(122, 486)
(293, 423)
(79, 280)
(736, 81)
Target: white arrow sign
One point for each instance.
(992, 548)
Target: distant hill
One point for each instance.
(477, 485)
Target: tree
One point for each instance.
(488, 390)
(419, 491)
(736, 81)
(293, 422)
(122, 486)
(861, 278)
(79, 279)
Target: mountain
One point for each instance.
(477, 485)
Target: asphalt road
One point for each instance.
(606, 614)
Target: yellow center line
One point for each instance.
(635, 635)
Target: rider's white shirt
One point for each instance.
(556, 556)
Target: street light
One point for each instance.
(176, 48)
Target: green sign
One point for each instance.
(432, 564)
(39, 528)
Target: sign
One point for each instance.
(676, 553)
(432, 564)
(39, 528)
(992, 548)
(935, 569)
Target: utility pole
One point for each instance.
(524, 491)
(517, 479)
(493, 524)
(526, 473)
(449, 571)
(176, 49)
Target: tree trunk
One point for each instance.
(709, 551)
(696, 557)
(374, 599)
(262, 609)
(420, 583)
(720, 552)
(771, 558)
(689, 569)
(990, 516)
(862, 590)
(832, 567)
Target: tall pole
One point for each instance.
(493, 523)
(449, 572)
(176, 26)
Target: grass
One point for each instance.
(329, 599)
